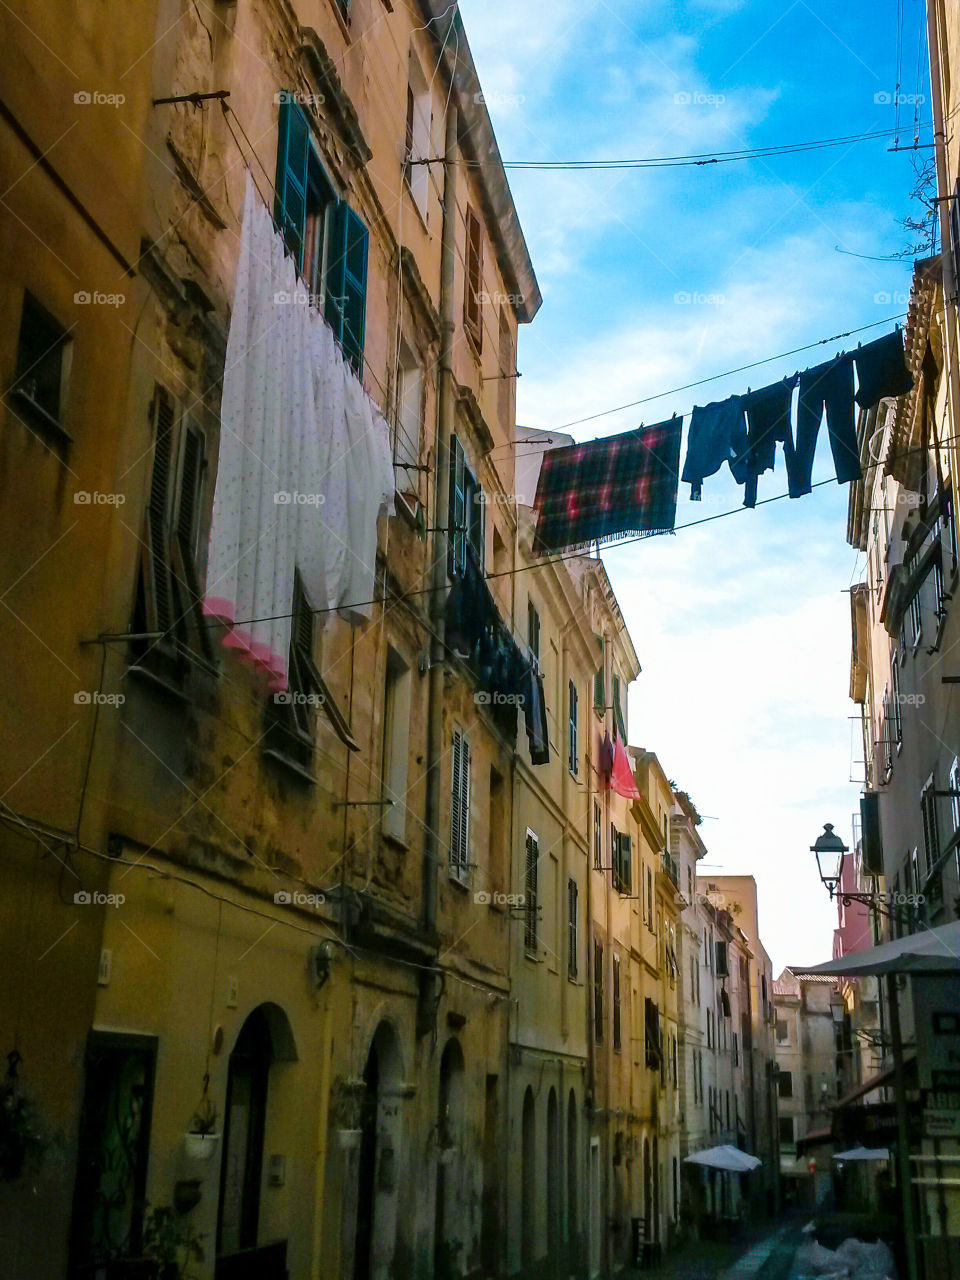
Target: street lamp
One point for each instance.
(830, 851)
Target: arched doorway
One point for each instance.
(449, 1121)
(265, 1039)
(573, 1224)
(554, 1174)
(375, 1231)
(528, 1191)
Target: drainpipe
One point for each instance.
(950, 283)
(426, 1019)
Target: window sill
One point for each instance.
(531, 956)
(461, 882)
(289, 765)
(398, 841)
(40, 417)
(421, 214)
(151, 677)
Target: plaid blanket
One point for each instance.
(622, 486)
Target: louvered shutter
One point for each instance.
(615, 1000)
(293, 151)
(615, 855)
(346, 305)
(186, 537)
(458, 509)
(598, 992)
(473, 277)
(460, 805)
(626, 873)
(157, 577)
(573, 926)
(531, 872)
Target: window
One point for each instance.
(292, 716)
(113, 1151)
(786, 1131)
(42, 358)
(896, 703)
(409, 422)
(473, 281)
(496, 848)
(396, 745)
(783, 1031)
(598, 992)
(530, 879)
(784, 1084)
(573, 927)
(649, 899)
(722, 970)
(533, 631)
(329, 242)
(953, 786)
(622, 848)
(600, 679)
(418, 129)
(709, 1028)
(597, 837)
(460, 807)
(618, 716)
(916, 606)
(508, 373)
(736, 1050)
(168, 592)
(931, 826)
(573, 703)
(651, 1033)
(467, 524)
(615, 998)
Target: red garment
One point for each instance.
(622, 780)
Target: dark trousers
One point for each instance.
(826, 386)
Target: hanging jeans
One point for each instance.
(826, 386)
(768, 423)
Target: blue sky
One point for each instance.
(742, 625)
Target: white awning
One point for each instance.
(731, 1159)
(863, 1153)
(930, 951)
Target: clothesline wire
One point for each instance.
(574, 555)
(693, 159)
(715, 377)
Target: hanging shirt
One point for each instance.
(717, 435)
(881, 370)
(621, 486)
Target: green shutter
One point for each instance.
(293, 151)
(457, 533)
(626, 874)
(347, 283)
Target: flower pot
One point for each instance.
(200, 1146)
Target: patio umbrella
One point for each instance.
(930, 951)
(730, 1159)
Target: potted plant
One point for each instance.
(22, 1139)
(170, 1244)
(200, 1141)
